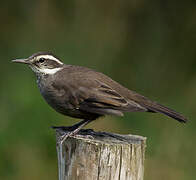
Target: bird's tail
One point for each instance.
(155, 107)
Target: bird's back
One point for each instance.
(84, 93)
(106, 95)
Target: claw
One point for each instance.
(70, 131)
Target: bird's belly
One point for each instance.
(62, 105)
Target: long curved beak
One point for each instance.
(24, 61)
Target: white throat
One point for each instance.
(46, 71)
(50, 71)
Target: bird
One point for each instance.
(86, 94)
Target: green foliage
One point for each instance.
(147, 46)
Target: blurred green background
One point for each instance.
(148, 46)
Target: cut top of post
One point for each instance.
(101, 155)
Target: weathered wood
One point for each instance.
(105, 157)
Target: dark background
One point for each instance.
(148, 46)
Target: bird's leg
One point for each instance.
(73, 130)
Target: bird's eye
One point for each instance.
(41, 60)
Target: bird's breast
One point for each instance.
(59, 100)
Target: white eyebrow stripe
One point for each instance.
(50, 57)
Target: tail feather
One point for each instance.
(155, 107)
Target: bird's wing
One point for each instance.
(94, 96)
(86, 90)
(105, 100)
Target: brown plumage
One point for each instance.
(96, 93)
(87, 94)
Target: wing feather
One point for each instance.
(94, 96)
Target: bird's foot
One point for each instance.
(64, 137)
(70, 131)
(65, 131)
(73, 134)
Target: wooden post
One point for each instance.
(101, 156)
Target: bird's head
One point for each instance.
(42, 63)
